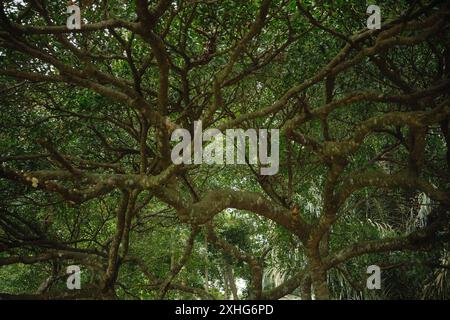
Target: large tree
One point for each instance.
(86, 119)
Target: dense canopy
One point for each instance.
(87, 178)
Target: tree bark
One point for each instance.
(206, 284)
(319, 282)
(231, 280)
(319, 277)
(305, 289)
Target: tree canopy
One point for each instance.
(87, 179)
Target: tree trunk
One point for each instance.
(318, 275)
(319, 282)
(206, 284)
(305, 289)
(226, 285)
(231, 280)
